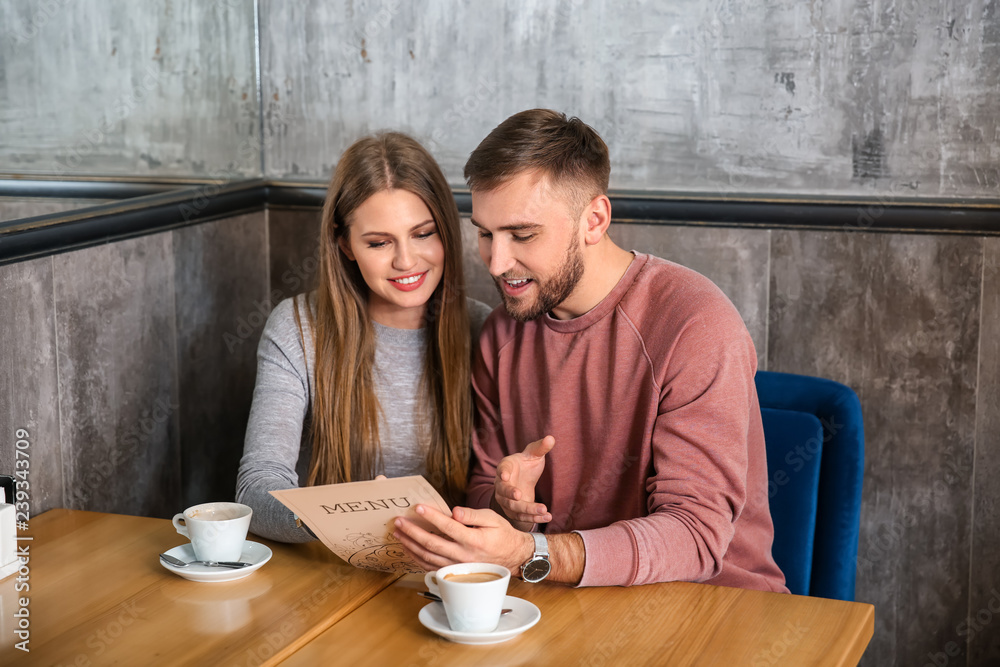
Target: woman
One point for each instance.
(372, 376)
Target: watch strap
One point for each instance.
(541, 546)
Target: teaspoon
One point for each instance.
(177, 562)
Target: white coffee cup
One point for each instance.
(470, 606)
(217, 530)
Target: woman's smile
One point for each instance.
(410, 282)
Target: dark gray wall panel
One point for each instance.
(117, 372)
(293, 240)
(222, 303)
(983, 631)
(478, 283)
(896, 318)
(29, 396)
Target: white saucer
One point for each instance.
(523, 615)
(255, 553)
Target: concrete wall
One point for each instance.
(714, 96)
(111, 87)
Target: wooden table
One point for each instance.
(663, 624)
(99, 596)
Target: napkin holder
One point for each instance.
(9, 563)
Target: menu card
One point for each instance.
(354, 519)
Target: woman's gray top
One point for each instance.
(275, 454)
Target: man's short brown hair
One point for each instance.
(567, 150)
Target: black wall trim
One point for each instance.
(833, 216)
(292, 195)
(876, 215)
(95, 189)
(44, 235)
(150, 207)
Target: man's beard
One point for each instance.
(550, 293)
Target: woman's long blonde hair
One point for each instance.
(345, 409)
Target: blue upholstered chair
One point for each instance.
(815, 462)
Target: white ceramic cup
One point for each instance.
(470, 607)
(216, 530)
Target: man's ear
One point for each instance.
(345, 247)
(597, 219)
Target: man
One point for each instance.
(616, 406)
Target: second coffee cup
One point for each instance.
(217, 530)
(472, 593)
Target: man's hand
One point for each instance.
(483, 536)
(467, 536)
(514, 485)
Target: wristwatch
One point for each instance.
(538, 566)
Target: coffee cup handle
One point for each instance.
(431, 582)
(179, 524)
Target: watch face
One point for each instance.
(536, 570)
